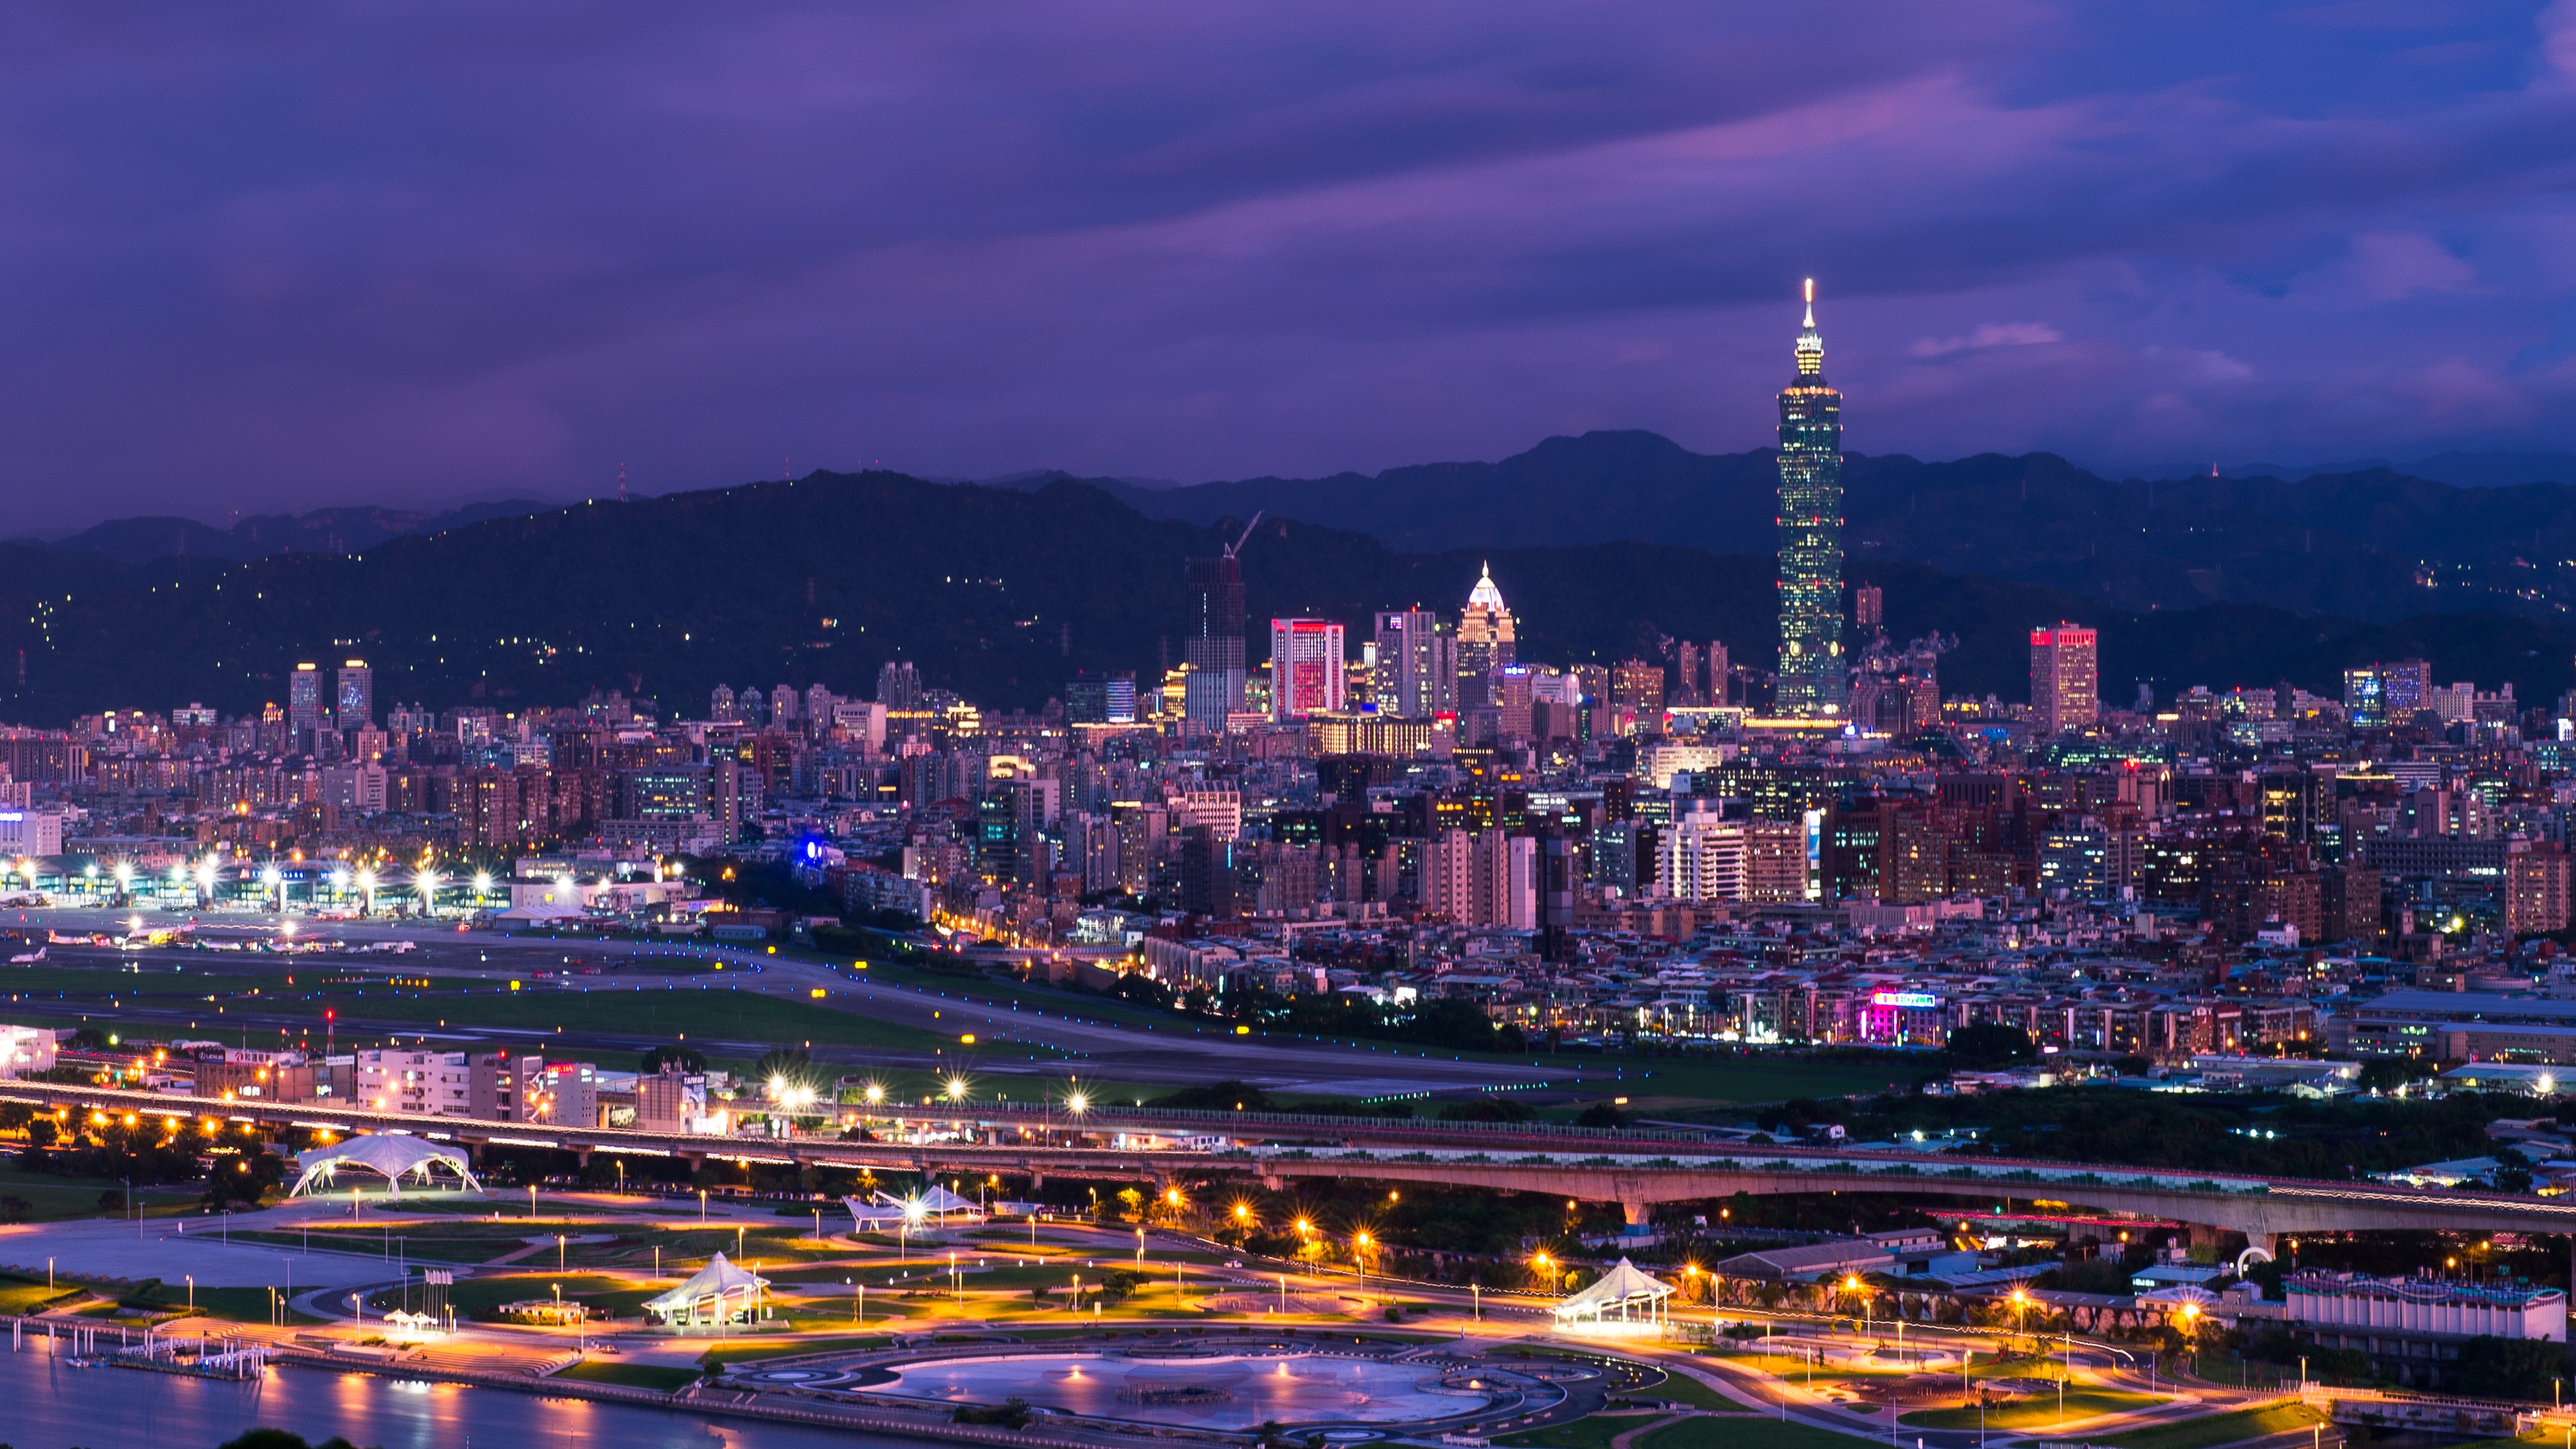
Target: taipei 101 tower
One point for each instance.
(1812, 684)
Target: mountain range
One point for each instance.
(1004, 592)
(2373, 545)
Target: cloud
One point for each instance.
(402, 254)
(1991, 334)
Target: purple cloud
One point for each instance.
(322, 255)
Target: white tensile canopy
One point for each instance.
(885, 1212)
(1624, 1290)
(711, 1286)
(390, 1155)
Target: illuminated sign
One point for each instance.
(1921, 1000)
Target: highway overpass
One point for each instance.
(1637, 1170)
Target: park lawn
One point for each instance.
(658, 1377)
(2039, 1411)
(1683, 1389)
(481, 1298)
(1593, 1432)
(714, 1014)
(2212, 1429)
(1743, 1431)
(53, 1198)
(773, 1346)
(21, 1297)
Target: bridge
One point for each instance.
(1636, 1169)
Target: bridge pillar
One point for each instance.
(1037, 1179)
(1640, 1215)
(1272, 1182)
(581, 1157)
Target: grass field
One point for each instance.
(658, 1377)
(1665, 1084)
(52, 1199)
(1683, 1389)
(20, 1297)
(1742, 1431)
(1595, 1432)
(2220, 1428)
(2039, 1411)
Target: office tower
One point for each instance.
(1214, 688)
(2379, 695)
(1305, 667)
(720, 704)
(1485, 639)
(1869, 612)
(357, 697)
(305, 709)
(1638, 685)
(1100, 699)
(1417, 664)
(899, 684)
(1811, 534)
(2065, 679)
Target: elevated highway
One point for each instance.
(1637, 1170)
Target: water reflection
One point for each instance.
(51, 1403)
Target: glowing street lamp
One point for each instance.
(206, 876)
(956, 1089)
(367, 891)
(425, 880)
(1078, 1103)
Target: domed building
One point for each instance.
(1485, 635)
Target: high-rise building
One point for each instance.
(1637, 685)
(2065, 678)
(1811, 679)
(357, 697)
(1417, 664)
(720, 704)
(2376, 696)
(899, 684)
(1214, 688)
(1485, 639)
(1305, 667)
(1869, 610)
(305, 708)
(1100, 698)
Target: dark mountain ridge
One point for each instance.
(1003, 593)
(2375, 545)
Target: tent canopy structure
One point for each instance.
(1622, 1290)
(884, 1211)
(390, 1155)
(711, 1285)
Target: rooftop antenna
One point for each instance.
(621, 482)
(1231, 548)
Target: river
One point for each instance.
(47, 1404)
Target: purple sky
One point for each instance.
(293, 255)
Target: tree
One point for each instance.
(1601, 1114)
(678, 1056)
(1987, 1044)
(2510, 1368)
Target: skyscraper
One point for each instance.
(1417, 664)
(1811, 534)
(1305, 667)
(357, 695)
(305, 707)
(1215, 641)
(1485, 639)
(2065, 678)
(899, 684)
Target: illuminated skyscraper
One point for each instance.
(357, 695)
(1305, 667)
(2065, 678)
(1486, 639)
(1215, 642)
(1811, 534)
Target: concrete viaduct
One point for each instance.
(1637, 1170)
